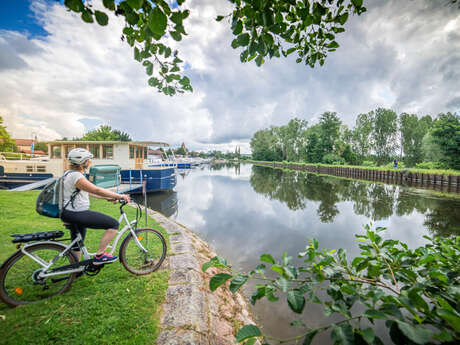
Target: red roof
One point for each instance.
(36, 152)
(24, 142)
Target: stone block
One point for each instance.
(182, 238)
(221, 327)
(185, 306)
(184, 275)
(179, 247)
(181, 337)
(184, 261)
(216, 340)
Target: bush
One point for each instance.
(416, 292)
(369, 164)
(332, 158)
(431, 165)
(401, 165)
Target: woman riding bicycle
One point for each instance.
(76, 211)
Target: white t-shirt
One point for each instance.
(81, 201)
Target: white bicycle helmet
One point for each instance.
(79, 156)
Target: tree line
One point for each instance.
(377, 138)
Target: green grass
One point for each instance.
(114, 307)
(412, 170)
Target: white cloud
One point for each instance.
(403, 55)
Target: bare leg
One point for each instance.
(105, 240)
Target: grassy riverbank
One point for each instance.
(412, 170)
(114, 307)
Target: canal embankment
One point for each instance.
(446, 182)
(192, 314)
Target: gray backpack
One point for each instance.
(51, 199)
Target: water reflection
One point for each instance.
(373, 200)
(164, 202)
(244, 211)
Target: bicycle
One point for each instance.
(47, 267)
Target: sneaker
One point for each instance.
(104, 259)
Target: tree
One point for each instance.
(105, 133)
(330, 131)
(432, 152)
(446, 133)
(412, 132)
(180, 151)
(313, 152)
(384, 134)
(349, 155)
(264, 146)
(6, 143)
(41, 146)
(361, 138)
(261, 28)
(291, 139)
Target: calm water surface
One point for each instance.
(244, 211)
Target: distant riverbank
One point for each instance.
(443, 180)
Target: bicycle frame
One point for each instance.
(87, 256)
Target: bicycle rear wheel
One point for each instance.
(135, 260)
(19, 282)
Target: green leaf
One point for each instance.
(267, 258)
(333, 44)
(109, 4)
(368, 335)
(296, 301)
(278, 269)
(175, 35)
(157, 21)
(418, 301)
(374, 314)
(237, 282)
(216, 261)
(357, 3)
(251, 341)
(243, 39)
(246, 332)
(217, 280)
(342, 19)
(74, 5)
(219, 18)
(149, 69)
(418, 335)
(87, 17)
(101, 18)
(238, 28)
(135, 4)
(451, 317)
(343, 334)
(283, 284)
(309, 337)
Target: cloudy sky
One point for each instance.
(61, 77)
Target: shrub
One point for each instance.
(401, 165)
(332, 158)
(369, 164)
(416, 292)
(431, 165)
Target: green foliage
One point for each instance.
(274, 28)
(41, 146)
(332, 158)
(105, 133)
(416, 292)
(369, 164)
(431, 149)
(180, 151)
(431, 165)
(329, 131)
(384, 134)
(349, 156)
(6, 143)
(390, 165)
(361, 137)
(412, 132)
(446, 133)
(261, 28)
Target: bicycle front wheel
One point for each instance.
(138, 261)
(19, 277)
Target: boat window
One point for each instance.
(94, 149)
(41, 168)
(145, 152)
(131, 151)
(29, 168)
(67, 149)
(56, 151)
(107, 151)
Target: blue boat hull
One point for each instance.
(157, 180)
(183, 166)
(13, 180)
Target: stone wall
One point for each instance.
(192, 314)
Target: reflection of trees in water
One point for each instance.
(373, 200)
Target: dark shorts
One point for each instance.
(87, 219)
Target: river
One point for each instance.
(243, 211)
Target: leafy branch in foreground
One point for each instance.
(262, 28)
(416, 292)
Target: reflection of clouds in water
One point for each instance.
(241, 224)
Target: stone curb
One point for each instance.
(192, 314)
